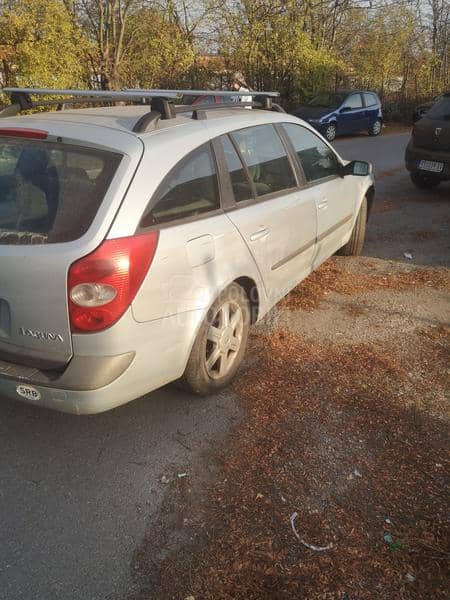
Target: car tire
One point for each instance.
(330, 132)
(355, 244)
(376, 128)
(423, 181)
(223, 334)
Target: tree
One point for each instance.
(105, 23)
(155, 52)
(268, 41)
(40, 45)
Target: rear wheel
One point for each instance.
(375, 128)
(355, 244)
(220, 345)
(330, 132)
(423, 181)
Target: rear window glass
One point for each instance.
(50, 192)
(440, 110)
(239, 180)
(190, 189)
(265, 158)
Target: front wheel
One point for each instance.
(355, 244)
(423, 181)
(220, 345)
(330, 132)
(375, 128)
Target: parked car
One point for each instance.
(339, 113)
(421, 110)
(427, 155)
(137, 250)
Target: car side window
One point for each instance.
(317, 159)
(354, 101)
(191, 188)
(370, 100)
(240, 183)
(265, 158)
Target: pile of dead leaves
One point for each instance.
(334, 276)
(337, 435)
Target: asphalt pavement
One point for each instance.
(77, 493)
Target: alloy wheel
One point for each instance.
(376, 127)
(224, 339)
(330, 132)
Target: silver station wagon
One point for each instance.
(139, 242)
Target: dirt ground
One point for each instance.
(334, 483)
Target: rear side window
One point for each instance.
(50, 192)
(190, 189)
(370, 99)
(265, 158)
(317, 159)
(354, 101)
(239, 180)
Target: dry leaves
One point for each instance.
(332, 277)
(316, 414)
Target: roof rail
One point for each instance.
(161, 101)
(142, 91)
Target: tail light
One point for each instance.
(414, 130)
(103, 284)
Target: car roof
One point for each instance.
(356, 92)
(122, 119)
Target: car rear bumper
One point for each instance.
(95, 383)
(76, 390)
(414, 155)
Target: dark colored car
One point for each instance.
(336, 113)
(421, 110)
(427, 155)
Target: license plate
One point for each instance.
(431, 165)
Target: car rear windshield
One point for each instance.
(440, 110)
(50, 192)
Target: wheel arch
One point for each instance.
(251, 289)
(370, 196)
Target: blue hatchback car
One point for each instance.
(343, 112)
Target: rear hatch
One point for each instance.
(57, 200)
(432, 132)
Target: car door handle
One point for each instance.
(258, 235)
(323, 203)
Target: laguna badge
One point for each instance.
(47, 336)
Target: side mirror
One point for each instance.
(345, 109)
(360, 168)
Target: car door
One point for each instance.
(275, 218)
(351, 114)
(371, 109)
(334, 196)
(193, 261)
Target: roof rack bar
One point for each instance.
(22, 101)
(117, 96)
(17, 107)
(206, 93)
(161, 102)
(199, 111)
(133, 93)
